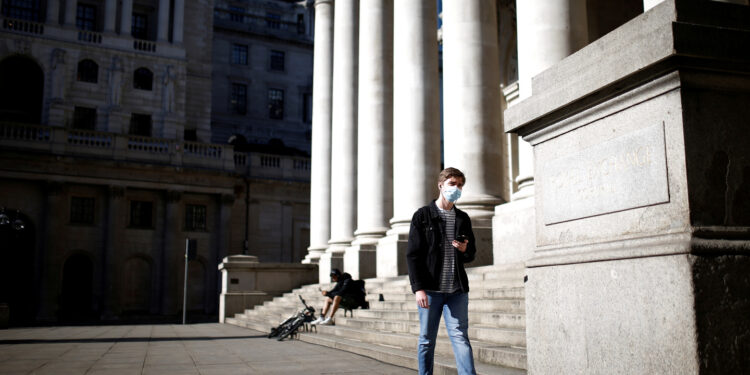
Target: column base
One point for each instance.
(332, 258)
(313, 255)
(513, 234)
(391, 252)
(360, 260)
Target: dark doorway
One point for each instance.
(22, 81)
(77, 290)
(17, 266)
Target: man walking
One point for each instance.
(440, 242)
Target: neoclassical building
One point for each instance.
(108, 167)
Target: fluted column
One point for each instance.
(548, 31)
(375, 137)
(53, 12)
(70, 13)
(162, 29)
(170, 257)
(320, 177)
(110, 15)
(343, 136)
(416, 125)
(473, 131)
(178, 26)
(126, 17)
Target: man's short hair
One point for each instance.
(449, 172)
(335, 272)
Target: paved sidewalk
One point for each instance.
(205, 349)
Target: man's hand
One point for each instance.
(461, 246)
(324, 292)
(422, 299)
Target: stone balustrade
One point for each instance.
(80, 142)
(107, 40)
(259, 24)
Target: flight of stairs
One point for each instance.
(388, 331)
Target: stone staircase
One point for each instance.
(388, 330)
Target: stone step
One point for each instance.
(491, 353)
(512, 337)
(487, 355)
(481, 292)
(492, 319)
(444, 364)
(487, 305)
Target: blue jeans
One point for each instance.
(455, 309)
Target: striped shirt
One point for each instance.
(448, 281)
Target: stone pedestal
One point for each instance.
(246, 283)
(391, 255)
(642, 194)
(360, 260)
(513, 238)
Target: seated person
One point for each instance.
(344, 291)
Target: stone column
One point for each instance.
(473, 134)
(162, 29)
(110, 15)
(53, 12)
(113, 223)
(71, 7)
(171, 252)
(219, 251)
(49, 256)
(179, 21)
(320, 179)
(548, 31)
(343, 136)
(126, 17)
(416, 125)
(375, 137)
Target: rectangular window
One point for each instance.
(139, 26)
(276, 104)
(273, 20)
(307, 108)
(82, 210)
(141, 214)
(239, 54)
(237, 14)
(84, 118)
(140, 125)
(86, 17)
(29, 10)
(277, 60)
(195, 217)
(238, 100)
(300, 24)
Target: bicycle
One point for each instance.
(291, 325)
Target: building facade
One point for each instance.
(105, 126)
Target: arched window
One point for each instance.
(143, 79)
(88, 71)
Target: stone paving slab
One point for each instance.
(196, 349)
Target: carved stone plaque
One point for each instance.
(626, 172)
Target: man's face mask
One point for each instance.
(451, 193)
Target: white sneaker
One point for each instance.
(317, 321)
(326, 322)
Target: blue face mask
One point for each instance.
(451, 193)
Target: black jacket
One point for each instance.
(424, 255)
(342, 287)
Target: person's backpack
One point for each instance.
(356, 296)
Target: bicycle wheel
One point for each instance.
(276, 331)
(292, 328)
